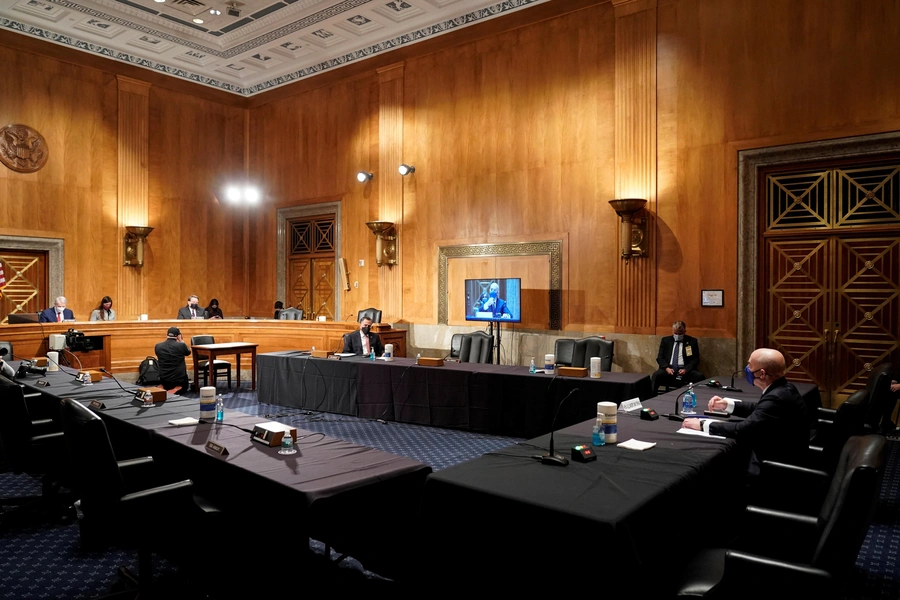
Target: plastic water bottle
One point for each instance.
(220, 409)
(533, 368)
(287, 444)
(693, 396)
(598, 437)
(418, 356)
(687, 402)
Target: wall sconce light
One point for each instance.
(633, 229)
(364, 176)
(236, 194)
(405, 169)
(134, 245)
(385, 245)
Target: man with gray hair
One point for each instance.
(776, 427)
(678, 359)
(57, 313)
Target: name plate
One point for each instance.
(334, 357)
(630, 405)
(216, 448)
(96, 405)
(43, 382)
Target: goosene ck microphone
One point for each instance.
(675, 416)
(551, 457)
(731, 387)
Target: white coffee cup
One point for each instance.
(388, 352)
(53, 361)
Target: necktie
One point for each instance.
(365, 344)
(675, 354)
(59, 317)
(193, 313)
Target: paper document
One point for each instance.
(634, 444)
(700, 433)
(344, 354)
(183, 422)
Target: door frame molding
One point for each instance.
(749, 164)
(56, 258)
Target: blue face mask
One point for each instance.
(494, 294)
(750, 374)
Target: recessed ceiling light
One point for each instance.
(198, 21)
(212, 11)
(160, 1)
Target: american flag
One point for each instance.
(2, 278)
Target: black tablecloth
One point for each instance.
(497, 399)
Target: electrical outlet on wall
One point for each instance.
(362, 263)
(356, 284)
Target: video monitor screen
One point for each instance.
(494, 300)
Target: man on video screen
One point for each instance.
(493, 303)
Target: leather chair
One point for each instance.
(564, 351)
(221, 367)
(372, 313)
(792, 555)
(476, 347)
(291, 314)
(31, 446)
(881, 399)
(832, 432)
(455, 346)
(9, 348)
(117, 511)
(590, 347)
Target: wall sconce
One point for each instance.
(364, 176)
(385, 245)
(134, 245)
(405, 169)
(633, 230)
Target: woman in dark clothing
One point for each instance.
(213, 310)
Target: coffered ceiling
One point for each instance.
(244, 47)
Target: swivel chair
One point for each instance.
(591, 347)
(564, 351)
(291, 314)
(372, 313)
(455, 345)
(220, 367)
(476, 347)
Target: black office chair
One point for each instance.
(455, 346)
(590, 347)
(219, 368)
(115, 510)
(790, 555)
(476, 347)
(9, 348)
(881, 400)
(372, 313)
(832, 432)
(30, 446)
(564, 351)
(291, 314)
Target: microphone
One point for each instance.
(102, 370)
(675, 416)
(731, 387)
(551, 457)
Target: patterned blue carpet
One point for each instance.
(46, 560)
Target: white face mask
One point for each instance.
(678, 337)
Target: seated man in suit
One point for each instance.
(364, 342)
(193, 310)
(776, 427)
(678, 359)
(56, 313)
(170, 354)
(493, 303)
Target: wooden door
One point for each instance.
(26, 273)
(311, 262)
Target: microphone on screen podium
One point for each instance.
(731, 387)
(551, 457)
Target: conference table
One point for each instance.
(313, 493)
(496, 399)
(624, 523)
(211, 351)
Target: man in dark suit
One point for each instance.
(170, 355)
(776, 427)
(193, 310)
(678, 359)
(56, 313)
(365, 341)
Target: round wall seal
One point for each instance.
(23, 149)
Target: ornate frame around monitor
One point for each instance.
(552, 248)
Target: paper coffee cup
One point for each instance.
(53, 361)
(596, 366)
(143, 317)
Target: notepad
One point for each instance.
(686, 431)
(184, 422)
(634, 444)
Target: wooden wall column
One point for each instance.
(390, 182)
(635, 175)
(133, 188)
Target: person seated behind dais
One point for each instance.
(56, 313)
(678, 359)
(192, 310)
(104, 310)
(213, 311)
(364, 341)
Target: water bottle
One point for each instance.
(148, 400)
(372, 354)
(287, 444)
(693, 396)
(687, 406)
(418, 356)
(220, 409)
(533, 368)
(599, 434)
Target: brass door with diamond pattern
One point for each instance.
(831, 298)
(311, 266)
(26, 282)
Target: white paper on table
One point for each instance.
(184, 422)
(687, 431)
(634, 444)
(732, 399)
(345, 354)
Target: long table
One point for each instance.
(312, 493)
(497, 399)
(622, 524)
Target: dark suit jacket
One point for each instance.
(48, 315)
(775, 427)
(185, 312)
(668, 344)
(353, 343)
(170, 355)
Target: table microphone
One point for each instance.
(551, 457)
(731, 387)
(675, 416)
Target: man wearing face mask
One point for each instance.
(56, 313)
(193, 310)
(776, 427)
(678, 359)
(364, 342)
(493, 303)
